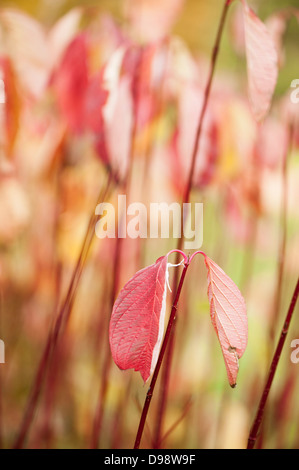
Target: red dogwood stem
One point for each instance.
(161, 356)
(273, 367)
(186, 199)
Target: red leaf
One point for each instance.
(95, 98)
(262, 63)
(137, 320)
(10, 104)
(189, 108)
(70, 81)
(151, 20)
(25, 42)
(63, 32)
(229, 318)
(118, 113)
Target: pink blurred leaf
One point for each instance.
(63, 32)
(145, 67)
(229, 318)
(95, 98)
(14, 204)
(131, 66)
(276, 25)
(236, 31)
(151, 20)
(70, 82)
(81, 96)
(262, 63)
(189, 108)
(137, 320)
(10, 104)
(272, 142)
(118, 112)
(25, 41)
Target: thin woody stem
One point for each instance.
(60, 323)
(283, 234)
(259, 415)
(214, 56)
(186, 199)
(150, 392)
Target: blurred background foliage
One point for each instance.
(37, 265)
(196, 26)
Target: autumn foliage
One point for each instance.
(96, 105)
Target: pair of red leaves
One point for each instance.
(137, 320)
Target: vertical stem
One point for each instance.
(160, 358)
(214, 56)
(283, 234)
(186, 199)
(273, 367)
(99, 412)
(61, 321)
(100, 407)
(119, 417)
(1, 377)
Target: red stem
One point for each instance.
(283, 233)
(160, 358)
(185, 199)
(60, 322)
(259, 415)
(99, 412)
(205, 102)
